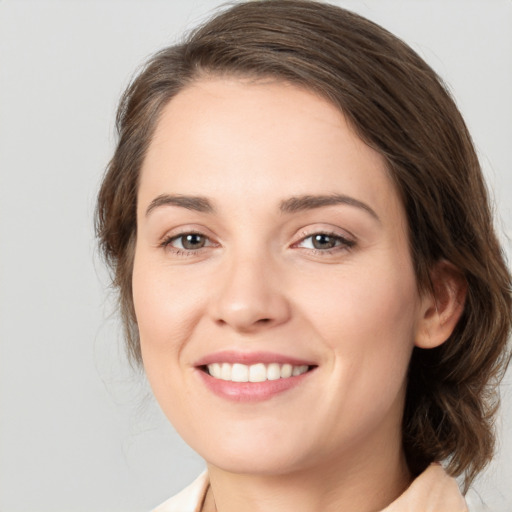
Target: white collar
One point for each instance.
(432, 491)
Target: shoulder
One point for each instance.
(432, 491)
(189, 499)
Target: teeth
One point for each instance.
(297, 370)
(273, 371)
(240, 373)
(254, 373)
(225, 371)
(257, 373)
(215, 370)
(286, 371)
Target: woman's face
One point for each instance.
(271, 240)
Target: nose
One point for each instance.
(251, 295)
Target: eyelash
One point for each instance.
(167, 243)
(342, 243)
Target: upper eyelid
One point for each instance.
(187, 230)
(330, 231)
(345, 241)
(167, 239)
(301, 235)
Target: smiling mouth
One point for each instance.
(259, 372)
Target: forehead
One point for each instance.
(228, 138)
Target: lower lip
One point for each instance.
(251, 391)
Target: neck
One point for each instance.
(368, 484)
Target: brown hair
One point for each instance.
(399, 107)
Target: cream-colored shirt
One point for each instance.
(432, 491)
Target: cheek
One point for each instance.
(363, 304)
(368, 321)
(167, 312)
(166, 309)
(370, 331)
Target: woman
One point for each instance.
(301, 237)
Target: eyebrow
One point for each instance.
(196, 203)
(291, 205)
(310, 202)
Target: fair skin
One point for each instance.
(268, 232)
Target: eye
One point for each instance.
(325, 242)
(188, 241)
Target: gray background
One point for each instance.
(78, 428)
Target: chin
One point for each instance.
(263, 457)
(263, 464)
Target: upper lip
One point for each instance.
(248, 358)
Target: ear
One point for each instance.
(442, 306)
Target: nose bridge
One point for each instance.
(250, 295)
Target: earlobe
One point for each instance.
(442, 306)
